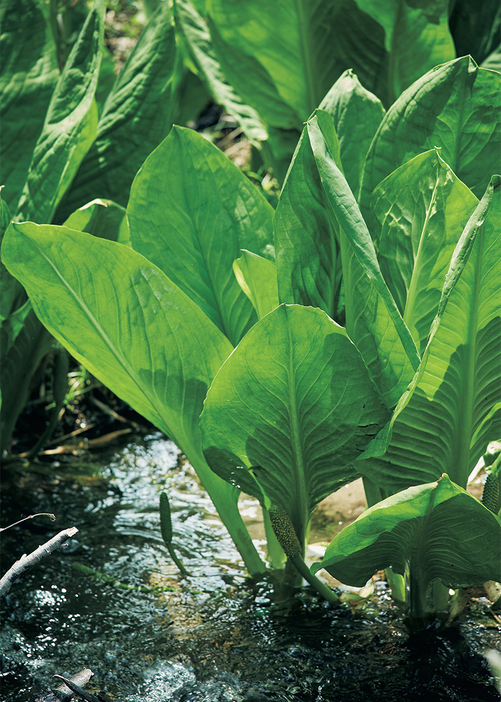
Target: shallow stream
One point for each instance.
(215, 637)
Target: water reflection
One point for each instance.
(217, 635)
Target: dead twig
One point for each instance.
(27, 562)
(78, 690)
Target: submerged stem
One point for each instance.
(317, 584)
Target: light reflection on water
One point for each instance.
(217, 637)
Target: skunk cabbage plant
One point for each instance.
(369, 346)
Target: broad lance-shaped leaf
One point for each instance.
(452, 408)
(135, 119)
(301, 48)
(190, 212)
(306, 242)
(456, 107)
(356, 114)
(437, 529)
(423, 208)
(289, 412)
(257, 276)
(193, 28)
(417, 38)
(306, 234)
(70, 125)
(372, 317)
(28, 76)
(135, 330)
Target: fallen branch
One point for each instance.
(27, 562)
(78, 690)
(63, 693)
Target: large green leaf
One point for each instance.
(423, 208)
(452, 408)
(306, 233)
(301, 48)
(135, 330)
(28, 76)
(70, 125)
(289, 412)
(356, 114)
(438, 530)
(190, 212)
(306, 242)
(417, 37)
(193, 28)
(121, 317)
(475, 27)
(372, 317)
(135, 119)
(456, 107)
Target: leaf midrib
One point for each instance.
(465, 424)
(117, 355)
(414, 288)
(298, 468)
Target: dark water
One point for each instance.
(217, 637)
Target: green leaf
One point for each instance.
(257, 276)
(455, 107)
(70, 124)
(302, 47)
(423, 208)
(452, 408)
(417, 37)
(101, 218)
(289, 412)
(190, 212)
(356, 114)
(28, 76)
(372, 317)
(475, 27)
(438, 529)
(136, 331)
(306, 235)
(135, 119)
(124, 321)
(193, 28)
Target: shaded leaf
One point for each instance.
(423, 208)
(101, 218)
(372, 317)
(28, 76)
(135, 119)
(437, 529)
(452, 408)
(417, 37)
(289, 412)
(190, 212)
(356, 114)
(257, 276)
(70, 124)
(455, 107)
(193, 28)
(306, 234)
